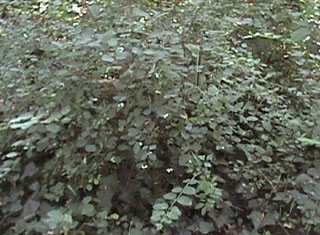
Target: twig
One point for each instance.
(182, 191)
(198, 65)
(130, 226)
(187, 30)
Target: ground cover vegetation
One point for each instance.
(159, 117)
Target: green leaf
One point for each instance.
(136, 231)
(205, 227)
(176, 190)
(91, 148)
(160, 206)
(310, 142)
(86, 200)
(139, 12)
(55, 218)
(189, 190)
(174, 213)
(53, 128)
(170, 196)
(24, 125)
(252, 119)
(256, 218)
(185, 201)
(300, 34)
(12, 155)
(88, 210)
(94, 11)
(112, 42)
(107, 58)
(157, 215)
(21, 118)
(30, 208)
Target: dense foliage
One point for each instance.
(154, 117)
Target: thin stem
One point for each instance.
(198, 65)
(180, 194)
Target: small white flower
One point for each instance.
(43, 7)
(169, 170)
(76, 9)
(121, 105)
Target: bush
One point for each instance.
(193, 118)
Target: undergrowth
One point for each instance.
(194, 117)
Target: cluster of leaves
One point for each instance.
(186, 118)
(202, 186)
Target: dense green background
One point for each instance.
(159, 117)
